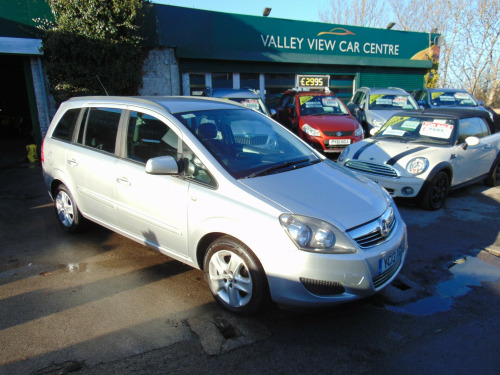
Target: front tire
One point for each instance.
(235, 277)
(494, 178)
(67, 211)
(436, 192)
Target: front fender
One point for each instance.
(443, 166)
(261, 236)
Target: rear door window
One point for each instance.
(100, 128)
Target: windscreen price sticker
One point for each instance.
(251, 103)
(436, 129)
(312, 81)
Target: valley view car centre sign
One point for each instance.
(198, 34)
(316, 44)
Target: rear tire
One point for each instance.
(436, 192)
(235, 277)
(67, 211)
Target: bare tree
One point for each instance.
(470, 56)
(472, 35)
(368, 13)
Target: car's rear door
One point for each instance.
(91, 160)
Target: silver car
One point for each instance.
(276, 221)
(248, 97)
(372, 107)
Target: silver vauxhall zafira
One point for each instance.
(225, 189)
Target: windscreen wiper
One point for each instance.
(293, 164)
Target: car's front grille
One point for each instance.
(374, 168)
(338, 133)
(381, 279)
(376, 231)
(322, 288)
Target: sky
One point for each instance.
(304, 10)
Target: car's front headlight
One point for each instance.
(308, 129)
(358, 131)
(417, 166)
(315, 235)
(378, 123)
(343, 155)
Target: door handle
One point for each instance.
(73, 163)
(123, 181)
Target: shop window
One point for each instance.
(196, 84)
(249, 81)
(342, 86)
(276, 85)
(222, 80)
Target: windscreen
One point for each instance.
(246, 142)
(392, 102)
(433, 130)
(452, 99)
(311, 105)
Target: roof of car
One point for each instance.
(311, 92)
(234, 93)
(173, 104)
(441, 89)
(451, 113)
(385, 90)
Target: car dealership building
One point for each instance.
(193, 49)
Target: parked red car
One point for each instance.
(320, 118)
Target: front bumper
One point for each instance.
(314, 280)
(399, 187)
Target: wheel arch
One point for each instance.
(497, 160)
(491, 179)
(204, 243)
(441, 167)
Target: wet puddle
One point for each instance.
(467, 272)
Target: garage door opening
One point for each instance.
(16, 129)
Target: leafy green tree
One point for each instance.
(95, 47)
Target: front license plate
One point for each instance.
(332, 142)
(390, 259)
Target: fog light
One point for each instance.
(407, 190)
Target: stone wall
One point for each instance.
(161, 73)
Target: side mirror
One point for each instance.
(374, 131)
(272, 111)
(481, 103)
(470, 141)
(162, 165)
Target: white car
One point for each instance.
(276, 220)
(424, 154)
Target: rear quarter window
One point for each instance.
(66, 125)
